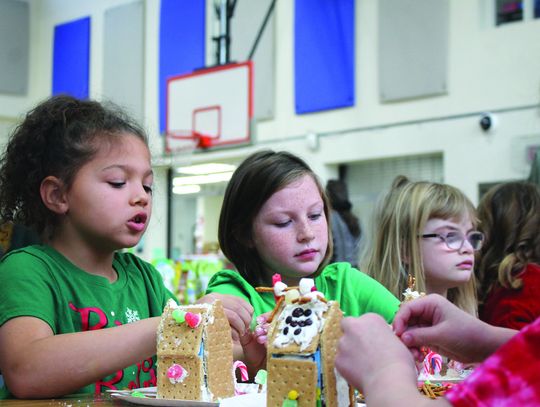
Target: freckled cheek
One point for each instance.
(321, 231)
(275, 245)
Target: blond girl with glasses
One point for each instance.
(426, 230)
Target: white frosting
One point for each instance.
(451, 375)
(210, 317)
(174, 305)
(409, 295)
(307, 332)
(314, 295)
(206, 394)
(342, 389)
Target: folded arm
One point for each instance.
(37, 364)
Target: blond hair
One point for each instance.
(395, 249)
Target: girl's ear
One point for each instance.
(52, 191)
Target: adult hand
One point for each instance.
(370, 355)
(434, 322)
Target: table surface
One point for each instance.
(82, 400)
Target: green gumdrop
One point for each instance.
(179, 316)
(289, 403)
(137, 394)
(260, 377)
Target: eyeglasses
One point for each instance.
(455, 240)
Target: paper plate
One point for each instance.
(151, 400)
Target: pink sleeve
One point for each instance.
(508, 378)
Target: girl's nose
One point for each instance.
(140, 197)
(466, 247)
(305, 232)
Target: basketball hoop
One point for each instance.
(218, 111)
(183, 143)
(204, 142)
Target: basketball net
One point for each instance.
(185, 143)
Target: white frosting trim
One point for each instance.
(342, 389)
(307, 332)
(409, 295)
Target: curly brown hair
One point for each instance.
(56, 138)
(510, 220)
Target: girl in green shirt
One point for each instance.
(274, 219)
(76, 315)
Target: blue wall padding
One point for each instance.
(182, 37)
(323, 54)
(71, 58)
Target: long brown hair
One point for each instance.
(510, 220)
(252, 184)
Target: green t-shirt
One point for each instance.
(38, 281)
(356, 292)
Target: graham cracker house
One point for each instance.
(302, 344)
(194, 353)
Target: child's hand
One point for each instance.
(254, 350)
(261, 330)
(239, 312)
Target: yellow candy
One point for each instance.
(291, 295)
(292, 395)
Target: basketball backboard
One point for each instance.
(209, 107)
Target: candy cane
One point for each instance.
(436, 363)
(243, 375)
(432, 363)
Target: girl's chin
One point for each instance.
(294, 276)
(459, 282)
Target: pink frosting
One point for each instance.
(176, 373)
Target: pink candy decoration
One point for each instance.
(275, 278)
(432, 363)
(243, 374)
(176, 372)
(193, 320)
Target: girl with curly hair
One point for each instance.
(75, 313)
(509, 268)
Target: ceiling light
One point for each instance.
(186, 189)
(209, 168)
